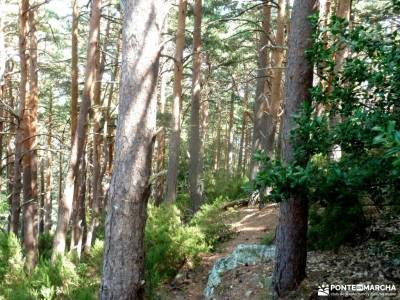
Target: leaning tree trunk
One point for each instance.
(29, 160)
(195, 160)
(290, 266)
(177, 98)
(66, 201)
(123, 269)
(259, 141)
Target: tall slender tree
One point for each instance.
(65, 204)
(48, 205)
(177, 99)
(195, 145)
(290, 266)
(29, 160)
(259, 141)
(123, 269)
(277, 58)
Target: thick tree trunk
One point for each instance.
(262, 92)
(123, 269)
(29, 161)
(177, 98)
(291, 240)
(276, 82)
(195, 160)
(65, 205)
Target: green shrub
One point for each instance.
(11, 267)
(211, 219)
(45, 245)
(220, 184)
(268, 239)
(335, 225)
(169, 244)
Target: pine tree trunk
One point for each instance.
(217, 153)
(276, 82)
(177, 98)
(29, 161)
(261, 104)
(79, 217)
(74, 68)
(10, 153)
(195, 160)
(229, 140)
(41, 202)
(24, 94)
(160, 154)
(123, 269)
(243, 129)
(65, 205)
(48, 205)
(96, 154)
(291, 239)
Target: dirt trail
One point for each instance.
(249, 226)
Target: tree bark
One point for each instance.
(96, 154)
(79, 215)
(48, 201)
(261, 104)
(29, 161)
(229, 140)
(123, 269)
(24, 94)
(11, 154)
(243, 129)
(195, 160)
(160, 154)
(177, 98)
(343, 11)
(65, 205)
(291, 239)
(276, 82)
(74, 67)
(217, 153)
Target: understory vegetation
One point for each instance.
(170, 244)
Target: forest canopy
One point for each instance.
(143, 144)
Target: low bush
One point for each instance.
(268, 239)
(169, 244)
(211, 219)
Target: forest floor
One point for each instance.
(371, 262)
(249, 225)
